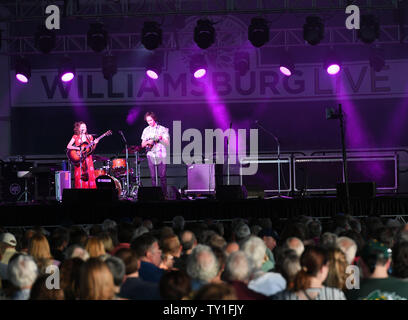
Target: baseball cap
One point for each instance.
(8, 238)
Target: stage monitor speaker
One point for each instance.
(150, 194)
(360, 190)
(231, 192)
(200, 177)
(88, 196)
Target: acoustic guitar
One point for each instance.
(76, 156)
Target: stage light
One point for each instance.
(45, 39)
(258, 32)
(109, 66)
(23, 70)
(204, 33)
(332, 64)
(66, 71)
(151, 35)
(377, 60)
(313, 30)
(287, 67)
(97, 37)
(241, 62)
(198, 66)
(154, 66)
(369, 28)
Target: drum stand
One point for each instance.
(138, 183)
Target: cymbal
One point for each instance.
(133, 149)
(99, 158)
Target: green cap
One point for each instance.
(374, 247)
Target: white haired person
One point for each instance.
(22, 272)
(202, 266)
(266, 283)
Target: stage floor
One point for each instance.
(55, 213)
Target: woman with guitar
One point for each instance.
(84, 169)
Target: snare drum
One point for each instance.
(109, 182)
(99, 172)
(119, 166)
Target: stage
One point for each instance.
(55, 213)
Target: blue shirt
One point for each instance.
(149, 272)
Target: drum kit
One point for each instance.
(115, 173)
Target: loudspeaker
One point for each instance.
(88, 196)
(62, 182)
(360, 190)
(150, 194)
(232, 192)
(200, 177)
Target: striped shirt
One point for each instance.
(324, 293)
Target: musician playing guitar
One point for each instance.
(155, 138)
(84, 171)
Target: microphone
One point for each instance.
(230, 124)
(123, 137)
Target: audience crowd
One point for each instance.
(343, 258)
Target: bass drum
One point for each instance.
(109, 182)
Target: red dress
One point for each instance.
(86, 169)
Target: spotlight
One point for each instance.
(313, 30)
(377, 61)
(154, 66)
(332, 64)
(241, 62)
(204, 33)
(109, 66)
(258, 32)
(151, 35)
(23, 70)
(198, 66)
(66, 70)
(45, 39)
(369, 29)
(97, 37)
(286, 65)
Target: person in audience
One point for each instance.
(76, 251)
(39, 290)
(328, 240)
(78, 236)
(295, 244)
(215, 291)
(231, 247)
(308, 284)
(39, 249)
(188, 243)
(314, 231)
(238, 271)
(171, 250)
(8, 243)
(269, 237)
(217, 241)
(59, 242)
(221, 259)
(22, 271)
(349, 248)
(178, 224)
(133, 287)
(96, 281)
(147, 248)
(202, 266)
(69, 281)
(400, 260)
(107, 241)
(376, 284)
(125, 236)
(175, 285)
(266, 283)
(94, 246)
(336, 277)
(290, 266)
(118, 269)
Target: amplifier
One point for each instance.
(201, 178)
(62, 181)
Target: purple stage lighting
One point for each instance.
(286, 64)
(332, 64)
(285, 71)
(333, 69)
(200, 73)
(198, 66)
(66, 70)
(152, 74)
(23, 70)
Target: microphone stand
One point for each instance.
(279, 166)
(127, 163)
(228, 167)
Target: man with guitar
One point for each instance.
(80, 149)
(155, 138)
